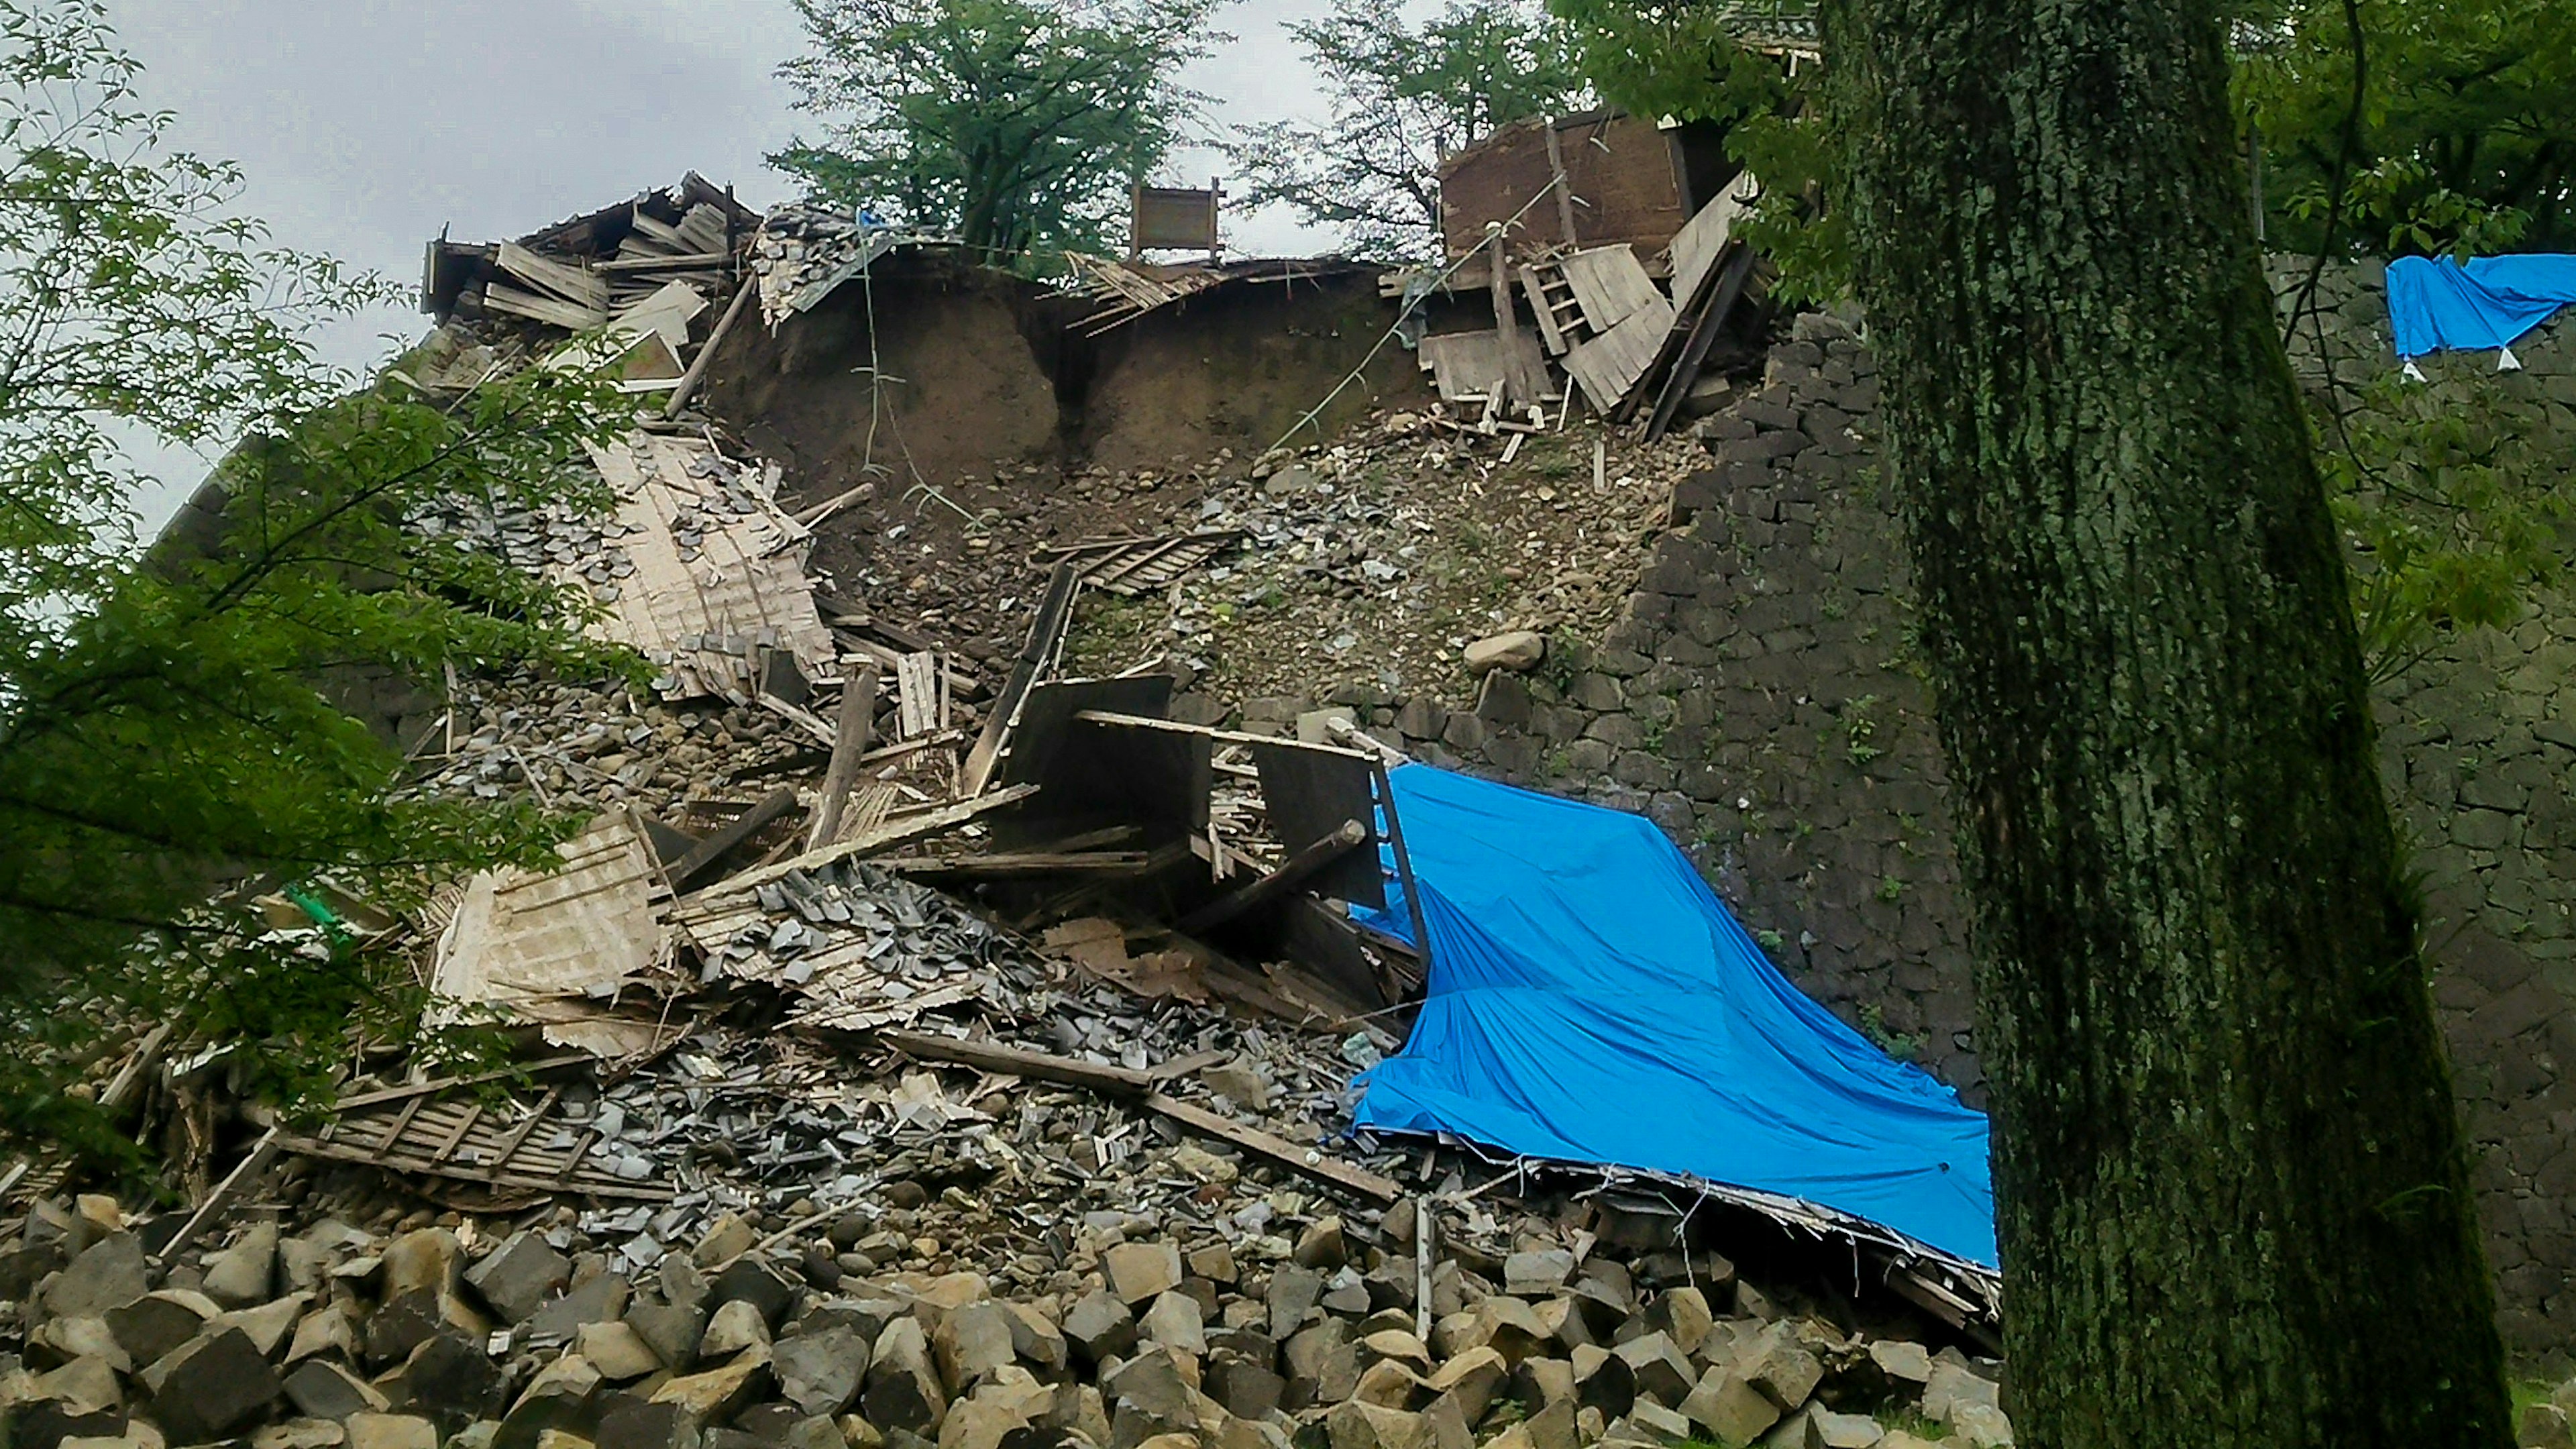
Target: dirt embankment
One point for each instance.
(981, 424)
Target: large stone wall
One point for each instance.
(1759, 699)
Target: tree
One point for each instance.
(160, 734)
(1016, 126)
(2233, 1202)
(2463, 139)
(1401, 101)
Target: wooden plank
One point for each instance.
(1308, 1160)
(884, 838)
(1610, 284)
(994, 1057)
(713, 848)
(682, 261)
(518, 1137)
(1609, 366)
(1229, 737)
(447, 1145)
(393, 1134)
(851, 732)
(1697, 246)
(576, 285)
(1404, 869)
(536, 307)
(1005, 864)
(1522, 372)
(916, 699)
(396, 1094)
(211, 1211)
(1037, 655)
(1564, 196)
(1270, 887)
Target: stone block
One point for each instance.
(1099, 1327)
(210, 1386)
(903, 1389)
(1139, 1271)
(245, 1273)
(391, 1431)
(325, 1390)
(519, 1277)
(107, 1275)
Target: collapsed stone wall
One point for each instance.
(1759, 699)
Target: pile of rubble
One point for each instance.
(1220, 1308)
(933, 1042)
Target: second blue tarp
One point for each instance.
(1592, 1001)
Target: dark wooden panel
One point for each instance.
(1310, 793)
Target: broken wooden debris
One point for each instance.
(689, 869)
(1291, 873)
(1131, 566)
(852, 731)
(1138, 1085)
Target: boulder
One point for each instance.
(617, 1351)
(152, 1325)
(603, 1299)
(1731, 1410)
(1174, 1322)
(1516, 650)
(735, 1326)
(1357, 1425)
(391, 1431)
(718, 1394)
(1537, 1274)
(559, 1397)
(1100, 1327)
(972, 1343)
(1898, 1359)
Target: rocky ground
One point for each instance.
(1200, 1300)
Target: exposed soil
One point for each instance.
(999, 430)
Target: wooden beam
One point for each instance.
(851, 731)
(1223, 737)
(994, 1057)
(1344, 839)
(697, 372)
(1729, 280)
(712, 849)
(218, 1201)
(1308, 1160)
(1556, 176)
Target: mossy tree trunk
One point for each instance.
(2234, 1203)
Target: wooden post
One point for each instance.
(1520, 376)
(1564, 192)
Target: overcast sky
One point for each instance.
(365, 126)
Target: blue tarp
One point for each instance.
(1591, 1000)
(2433, 304)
